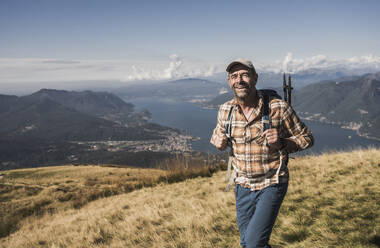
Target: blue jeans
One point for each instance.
(256, 213)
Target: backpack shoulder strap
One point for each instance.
(229, 121)
(267, 95)
(231, 175)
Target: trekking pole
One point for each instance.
(288, 93)
(285, 87)
(290, 88)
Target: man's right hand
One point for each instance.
(219, 140)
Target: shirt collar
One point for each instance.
(256, 111)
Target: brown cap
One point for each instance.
(247, 63)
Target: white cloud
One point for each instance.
(52, 70)
(174, 66)
(295, 65)
(178, 67)
(286, 62)
(157, 72)
(29, 70)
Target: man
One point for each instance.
(259, 155)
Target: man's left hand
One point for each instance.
(272, 137)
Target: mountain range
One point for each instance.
(208, 88)
(57, 126)
(351, 103)
(64, 115)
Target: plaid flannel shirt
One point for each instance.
(255, 163)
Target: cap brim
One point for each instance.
(233, 64)
(245, 63)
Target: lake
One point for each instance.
(196, 121)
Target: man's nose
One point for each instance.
(241, 81)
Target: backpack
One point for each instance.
(267, 95)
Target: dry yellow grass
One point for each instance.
(47, 190)
(332, 201)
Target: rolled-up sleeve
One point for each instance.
(299, 132)
(219, 138)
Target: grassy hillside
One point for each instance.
(36, 192)
(332, 201)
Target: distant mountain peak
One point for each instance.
(347, 102)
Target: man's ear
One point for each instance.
(230, 82)
(255, 78)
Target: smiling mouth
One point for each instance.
(242, 87)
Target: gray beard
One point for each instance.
(242, 97)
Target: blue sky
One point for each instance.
(203, 31)
(210, 30)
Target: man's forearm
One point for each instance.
(294, 144)
(219, 140)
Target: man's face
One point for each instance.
(242, 81)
